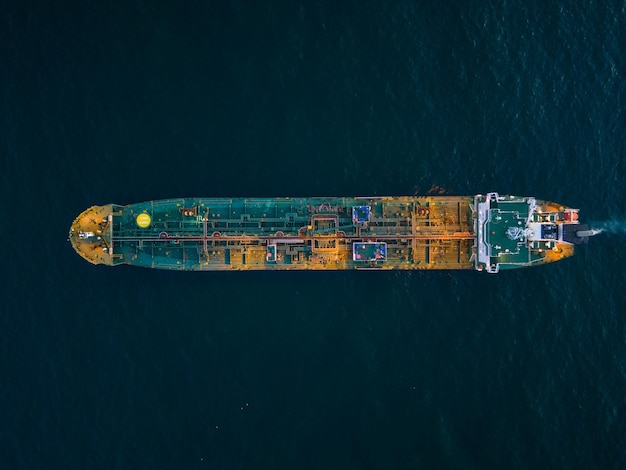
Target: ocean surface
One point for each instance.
(116, 368)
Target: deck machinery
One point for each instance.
(483, 232)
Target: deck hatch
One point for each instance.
(369, 251)
(361, 214)
(270, 254)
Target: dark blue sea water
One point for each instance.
(136, 100)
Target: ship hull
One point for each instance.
(370, 233)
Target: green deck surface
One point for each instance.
(306, 233)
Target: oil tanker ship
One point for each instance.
(482, 232)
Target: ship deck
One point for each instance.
(289, 233)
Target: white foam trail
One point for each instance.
(610, 226)
(588, 233)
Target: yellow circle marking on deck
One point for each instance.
(143, 220)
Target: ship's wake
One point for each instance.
(616, 227)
